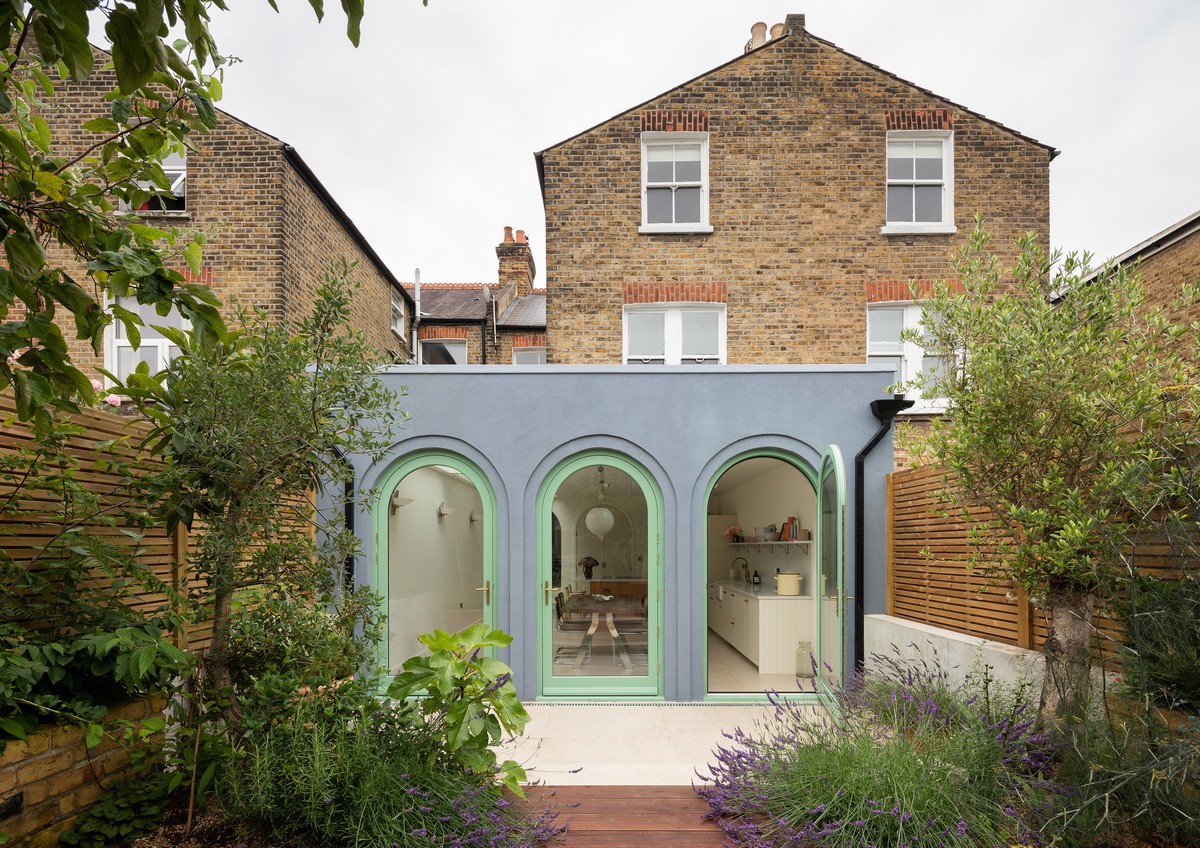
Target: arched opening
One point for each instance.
(436, 529)
(760, 586)
(599, 524)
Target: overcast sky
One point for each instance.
(426, 132)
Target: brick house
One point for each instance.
(501, 323)
(272, 228)
(774, 210)
(1165, 262)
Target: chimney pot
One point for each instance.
(508, 235)
(520, 237)
(758, 35)
(777, 30)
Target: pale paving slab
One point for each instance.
(626, 744)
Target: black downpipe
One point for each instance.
(483, 336)
(885, 410)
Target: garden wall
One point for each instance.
(25, 533)
(51, 777)
(929, 581)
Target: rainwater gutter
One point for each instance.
(885, 410)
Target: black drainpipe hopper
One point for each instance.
(885, 410)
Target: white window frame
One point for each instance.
(149, 317)
(538, 352)
(174, 166)
(399, 315)
(445, 342)
(672, 329)
(946, 225)
(661, 139)
(911, 353)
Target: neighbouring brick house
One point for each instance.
(1167, 261)
(272, 228)
(501, 323)
(774, 210)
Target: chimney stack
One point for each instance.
(516, 262)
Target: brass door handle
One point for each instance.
(486, 588)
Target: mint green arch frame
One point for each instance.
(380, 531)
(810, 474)
(651, 685)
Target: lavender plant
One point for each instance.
(910, 760)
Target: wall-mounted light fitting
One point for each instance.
(444, 510)
(475, 516)
(396, 502)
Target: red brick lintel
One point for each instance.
(675, 120)
(433, 331)
(885, 291)
(674, 292)
(919, 119)
(530, 340)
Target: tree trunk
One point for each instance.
(1066, 687)
(216, 662)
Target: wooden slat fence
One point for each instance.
(929, 579)
(26, 532)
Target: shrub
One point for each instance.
(318, 643)
(1162, 651)
(342, 770)
(910, 760)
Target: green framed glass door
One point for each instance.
(831, 559)
(434, 526)
(599, 579)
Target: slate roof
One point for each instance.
(460, 302)
(525, 312)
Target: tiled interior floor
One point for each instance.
(729, 671)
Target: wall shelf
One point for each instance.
(757, 545)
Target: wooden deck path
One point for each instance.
(629, 816)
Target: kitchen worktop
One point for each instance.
(763, 592)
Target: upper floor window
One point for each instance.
(153, 349)
(675, 182)
(674, 335)
(398, 315)
(444, 352)
(174, 197)
(920, 182)
(907, 359)
(529, 356)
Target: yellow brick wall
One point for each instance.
(269, 236)
(797, 171)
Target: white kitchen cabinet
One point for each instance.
(762, 626)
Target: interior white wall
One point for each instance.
(770, 499)
(434, 565)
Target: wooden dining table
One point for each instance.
(613, 610)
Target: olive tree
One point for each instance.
(1069, 415)
(252, 423)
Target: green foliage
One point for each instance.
(1134, 770)
(908, 760)
(1072, 419)
(469, 699)
(314, 644)
(69, 642)
(64, 193)
(1161, 655)
(1066, 414)
(337, 769)
(128, 810)
(252, 423)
